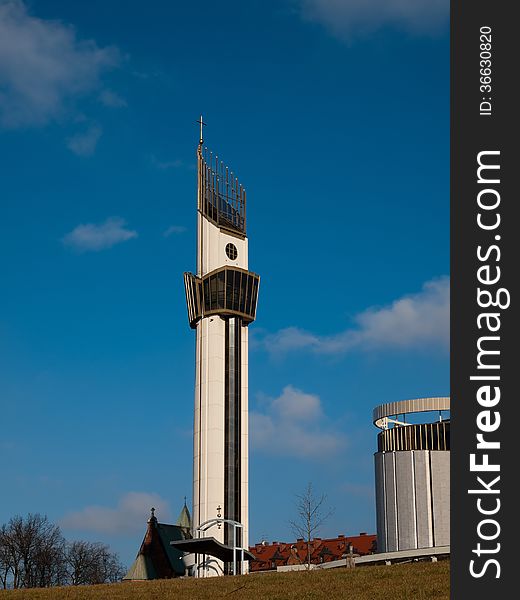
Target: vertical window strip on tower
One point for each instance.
(232, 446)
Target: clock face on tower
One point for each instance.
(231, 251)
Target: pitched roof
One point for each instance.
(184, 519)
(156, 558)
(170, 533)
(142, 569)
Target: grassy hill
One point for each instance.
(415, 581)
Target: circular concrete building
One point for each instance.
(412, 465)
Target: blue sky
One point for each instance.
(335, 116)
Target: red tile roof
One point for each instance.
(270, 556)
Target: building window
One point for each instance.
(231, 251)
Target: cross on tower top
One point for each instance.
(202, 124)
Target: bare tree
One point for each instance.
(80, 562)
(10, 557)
(109, 568)
(48, 567)
(91, 563)
(312, 512)
(5, 558)
(31, 552)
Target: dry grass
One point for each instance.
(416, 581)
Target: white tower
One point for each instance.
(221, 302)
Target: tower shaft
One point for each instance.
(221, 301)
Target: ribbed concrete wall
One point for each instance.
(380, 501)
(405, 493)
(423, 500)
(412, 499)
(390, 514)
(440, 469)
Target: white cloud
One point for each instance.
(350, 18)
(174, 230)
(294, 425)
(166, 164)
(411, 321)
(296, 405)
(359, 490)
(129, 516)
(111, 99)
(84, 144)
(415, 321)
(43, 66)
(91, 237)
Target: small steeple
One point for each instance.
(153, 518)
(184, 519)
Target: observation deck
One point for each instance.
(399, 435)
(226, 291)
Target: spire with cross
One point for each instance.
(202, 124)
